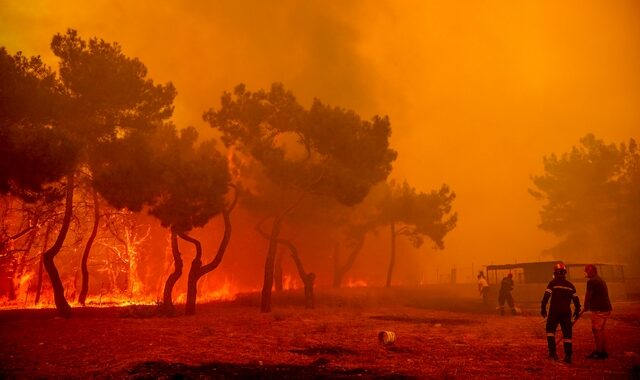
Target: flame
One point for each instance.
(226, 292)
(127, 251)
(108, 300)
(22, 288)
(289, 283)
(351, 283)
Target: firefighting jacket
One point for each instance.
(561, 292)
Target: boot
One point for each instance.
(568, 351)
(551, 343)
(501, 310)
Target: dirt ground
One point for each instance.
(435, 338)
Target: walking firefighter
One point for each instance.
(506, 286)
(562, 293)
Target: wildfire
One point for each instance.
(351, 283)
(290, 283)
(227, 292)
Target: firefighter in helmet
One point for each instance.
(561, 292)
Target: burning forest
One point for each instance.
(333, 209)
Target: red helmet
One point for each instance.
(590, 270)
(560, 268)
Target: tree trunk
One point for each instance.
(392, 261)
(194, 276)
(200, 270)
(265, 305)
(277, 273)
(307, 278)
(41, 266)
(58, 289)
(84, 289)
(167, 302)
(309, 299)
(269, 264)
(340, 271)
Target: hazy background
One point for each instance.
(477, 92)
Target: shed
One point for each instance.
(531, 278)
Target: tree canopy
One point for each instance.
(591, 198)
(323, 151)
(418, 214)
(34, 150)
(59, 125)
(182, 183)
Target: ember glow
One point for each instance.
(262, 189)
(476, 96)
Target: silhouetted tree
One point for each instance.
(102, 96)
(416, 215)
(322, 151)
(355, 242)
(591, 199)
(183, 186)
(84, 289)
(32, 152)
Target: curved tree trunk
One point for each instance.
(277, 273)
(265, 305)
(307, 278)
(194, 275)
(41, 266)
(167, 302)
(340, 271)
(197, 269)
(392, 261)
(47, 257)
(84, 289)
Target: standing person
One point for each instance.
(483, 288)
(561, 292)
(506, 286)
(597, 301)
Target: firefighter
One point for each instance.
(561, 292)
(506, 286)
(597, 301)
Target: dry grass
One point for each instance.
(338, 339)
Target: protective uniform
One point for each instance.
(561, 292)
(506, 286)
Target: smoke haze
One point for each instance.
(477, 92)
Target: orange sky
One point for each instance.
(477, 91)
